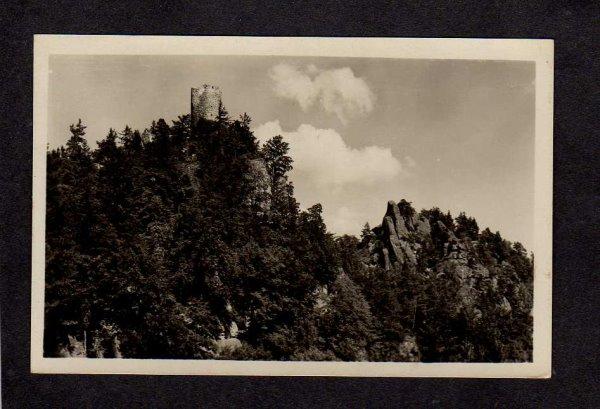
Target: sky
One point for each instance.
(456, 134)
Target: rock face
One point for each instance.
(73, 348)
(189, 169)
(479, 286)
(408, 349)
(402, 235)
(422, 226)
(259, 181)
(397, 245)
(226, 345)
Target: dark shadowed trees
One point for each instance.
(155, 248)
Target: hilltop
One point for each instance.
(187, 242)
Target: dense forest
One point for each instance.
(189, 244)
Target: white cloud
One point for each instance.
(351, 184)
(337, 91)
(323, 156)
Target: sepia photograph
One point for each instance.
(292, 206)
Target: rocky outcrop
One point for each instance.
(393, 212)
(505, 307)
(477, 285)
(392, 240)
(466, 280)
(408, 350)
(73, 348)
(448, 234)
(422, 227)
(226, 345)
(403, 234)
(260, 184)
(386, 258)
(322, 298)
(228, 340)
(398, 241)
(398, 247)
(189, 169)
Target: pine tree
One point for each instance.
(223, 115)
(278, 162)
(77, 147)
(366, 232)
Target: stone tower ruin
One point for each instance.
(205, 103)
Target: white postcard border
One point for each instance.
(539, 51)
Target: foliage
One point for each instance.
(466, 227)
(154, 248)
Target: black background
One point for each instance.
(576, 329)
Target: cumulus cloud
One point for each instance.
(323, 156)
(337, 91)
(351, 184)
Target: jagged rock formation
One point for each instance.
(396, 244)
(399, 239)
(476, 276)
(402, 236)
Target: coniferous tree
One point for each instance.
(278, 163)
(69, 234)
(366, 232)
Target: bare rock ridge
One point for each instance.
(403, 234)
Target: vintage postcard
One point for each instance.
(292, 206)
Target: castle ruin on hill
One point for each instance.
(205, 105)
(206, 101)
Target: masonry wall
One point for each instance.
(205, 103)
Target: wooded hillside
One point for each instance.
(173, 243)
